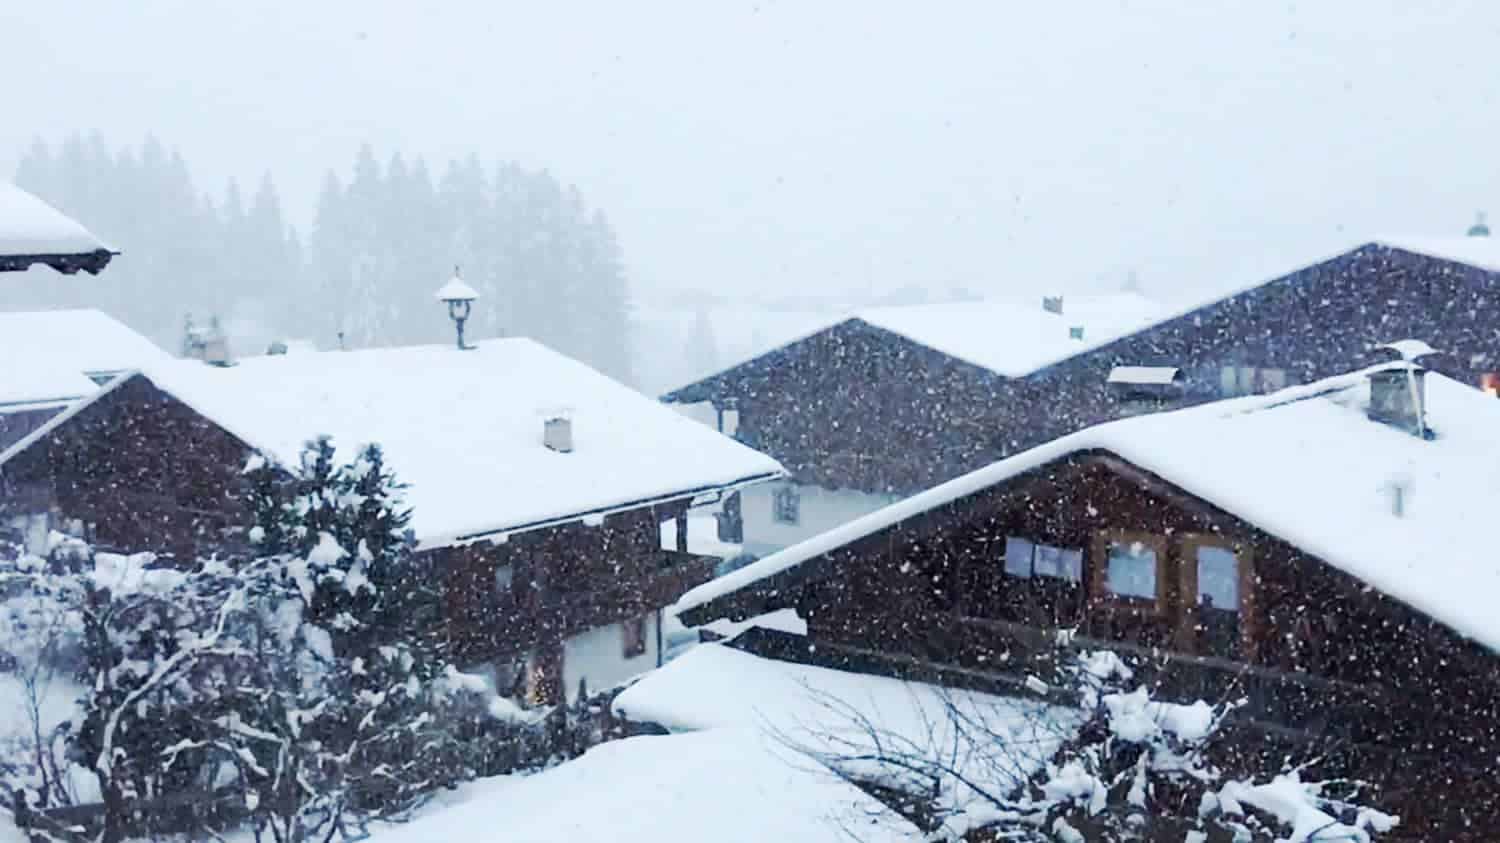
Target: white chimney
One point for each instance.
(557, 434)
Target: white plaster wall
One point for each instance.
(822, 510)
(598, 655)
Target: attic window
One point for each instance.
(1249, 380)
(633, 637)
(1218, 583)
(1132, 568)
(1027, 559)
(786, 505)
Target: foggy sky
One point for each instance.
(828, 146)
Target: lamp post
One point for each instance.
(460, 299)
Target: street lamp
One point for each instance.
(460, 298)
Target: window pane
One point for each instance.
(1272, 379)
(1218, 579)
(1132, 570)
(1229, 382)
(1018, 553)
(1059, 562)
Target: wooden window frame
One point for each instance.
(1099, 576)
(1244, 553)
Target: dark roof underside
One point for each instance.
(91, 262)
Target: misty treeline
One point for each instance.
(383, 239)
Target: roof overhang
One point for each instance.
(501, 533)
(68, 264)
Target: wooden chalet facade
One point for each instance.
(864, 408)
(972, 583)
(548, 605)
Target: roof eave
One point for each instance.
(92, 262)
(501, 532)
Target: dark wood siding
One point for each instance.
(144, 469)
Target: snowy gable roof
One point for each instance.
(1009, 336)
(31, 231)
(45, 355)
(1481, 252)
(1304, 464)
(1012, 337)
(464, 429)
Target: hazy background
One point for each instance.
(828, 147)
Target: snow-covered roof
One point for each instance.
(725, 785)
(842, 718)
(464, 429)
(1304, 464)
(1144, 375)
(1007, 335)
(1481, 252)
(1012, 337)
(42, 384)
(31, 228)
(45, 355)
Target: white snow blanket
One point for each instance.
(1013, 337)
(29, 226)
(45, 354)
(840, 717)
(464, 429)
(724, 785)
(1304, 464)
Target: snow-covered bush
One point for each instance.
(40, 657)
(301, 681)
(1115, 764)
(358, 715)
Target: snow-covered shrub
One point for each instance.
(40, 657)
(1142, 769)
(1128, 767)
(359, 715)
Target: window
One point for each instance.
(786, 505)
(1248, 380)
(1131, 569)
(503, 576)
(1272, 379)
(1027, 559)
(1218, 578)
(633, 635)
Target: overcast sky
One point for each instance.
(828, 146)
